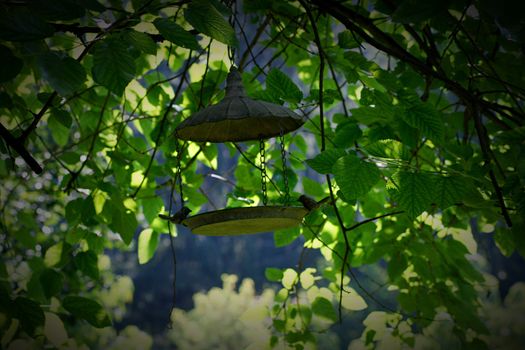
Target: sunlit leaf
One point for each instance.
(352, 300)
(53, 254)
(148, 241)
(289, 278)
(54, 329)
(205, 18)
(307, 277)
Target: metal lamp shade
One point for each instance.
(238, 118)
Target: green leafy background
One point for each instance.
(414, 136)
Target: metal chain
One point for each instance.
(285, 170)
(231, 20)
(262, 153)
(178, 171)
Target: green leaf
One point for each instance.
(113, 65)
(140, 41)
(62, 117)
(346, 40)
(369, 115)
(87, 262)
(285, 237)
(289, 278)
(54, 330)
(426, 118)
(205, 18)
(281, 86)
(124, 223)
(88, 310)
(10, 65)
(53, 254)
(152, 207)
(22, 25)
(174, 33)
(448, 190)
(346, 134)
(396, 266)
(388, 149)
(64, 74)
(148, 241)
(29, 313)
(504, 241)
(324, 308)
(324, 161)
(312, 187)
(307, 277)
(75, 235)
(354, 176)
(416, 192)
(52, 282)
(59, 132)
(272, 274)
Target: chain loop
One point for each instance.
(262, 153)
(178, 171)
(231, 20)
(285, 170)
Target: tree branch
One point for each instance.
(18, 146)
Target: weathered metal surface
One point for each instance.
(238, 118)
(236, 221)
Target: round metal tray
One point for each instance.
(237, 221)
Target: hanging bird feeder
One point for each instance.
(238, 118)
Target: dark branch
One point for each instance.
(18, 146)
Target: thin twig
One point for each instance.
(75, 175)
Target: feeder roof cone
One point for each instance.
(238, 118)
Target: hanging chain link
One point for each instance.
(285, 170)
(262, 153)
(178, 171)
(231, 20)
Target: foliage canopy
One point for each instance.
(415, 131)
